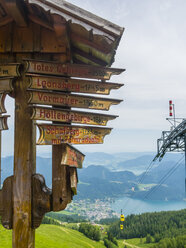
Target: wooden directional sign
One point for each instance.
(6, 84)
(71, 100)
(72, 70)
(72, 157)
(58, 134)
(63, 115)
(3, 122)
(9, 70)
(71, 85)
(2, 103)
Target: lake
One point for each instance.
(136, 206)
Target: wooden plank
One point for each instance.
(6, 211)
(9, 40)
(5, 20)
(24, 166)
(2, 103)
(51, 134)
(6, 84)
(15, 9)
(73, 70)
(3, 122)
(71, 85)
(69, 100)
(49, 42)
(80, 15)
(63, 115)
(72, 157)
(61, 190)
(40, 22)
(73, 180)
(37, 37)
(9, 70)
(98, 43)
(4, 37)
(23, 39)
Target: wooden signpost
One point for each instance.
(69, 100)
(9, 70)
(58, 134)
(71, 70)
(6, 84)
(46, 61)
(71, 85)
(68, 116)
(73, 157)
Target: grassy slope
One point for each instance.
(135, 242)
(53, 237)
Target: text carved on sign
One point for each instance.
(71, 85)
(71, 100)
(51, 134)
(62, 115)
(9, 70)
(72, 70)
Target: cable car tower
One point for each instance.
(173, 140)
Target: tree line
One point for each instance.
(74, 218)
(156, 227)
(90, 231)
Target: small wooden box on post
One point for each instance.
(49, 61)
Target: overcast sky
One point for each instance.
(153, 52)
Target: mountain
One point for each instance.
(137, 165)
(113, 161)
(99, 181)
(44, 167)
(100, 172)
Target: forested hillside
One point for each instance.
(153, 225)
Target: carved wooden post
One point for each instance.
(24, 166)
(61, 190)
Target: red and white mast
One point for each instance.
(172, 111)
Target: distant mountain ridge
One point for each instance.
(98, 181)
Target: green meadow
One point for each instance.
(135, 243)
(51, 236)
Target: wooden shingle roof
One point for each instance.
(92, 39)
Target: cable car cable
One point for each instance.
(162, 180)
(141, 179)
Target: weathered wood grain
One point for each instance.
(24, 166)
(41, 199)
(61, 190)
(72, 157)
(6, 203)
